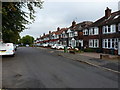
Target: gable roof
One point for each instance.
(113, 18)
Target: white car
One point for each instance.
(45, 45)
(7, 49)
(59, 46)
(54, 46)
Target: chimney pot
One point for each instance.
(49, 32)
(73, 23)
(44, 34)
(58, 29)
(107, 12)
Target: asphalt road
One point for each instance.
(41, 68)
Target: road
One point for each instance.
(42, 68)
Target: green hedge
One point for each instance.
(89, 50)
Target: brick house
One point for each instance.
(74, 34)
(104, 34)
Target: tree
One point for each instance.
(27, 40)
(15, 16)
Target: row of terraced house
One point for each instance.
(102, 35)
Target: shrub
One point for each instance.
(89, 50)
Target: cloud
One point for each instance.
(61, 14)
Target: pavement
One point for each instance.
(94, 60)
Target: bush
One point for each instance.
(89, 50)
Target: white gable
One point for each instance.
(68, 31)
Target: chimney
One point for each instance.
(107, 12)
(49, 32)
(43, 34)
(73, 23)
(58, 29)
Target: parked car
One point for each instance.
(54, 46)
(15, 46)
(45, 45)
(50, 44)
(59, 46)
(27, 45)
(7, 49)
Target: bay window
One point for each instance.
(110, 43)
(93, 31)
(94, 43)
(109, 29)
(119, 27)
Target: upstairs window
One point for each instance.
(119, 27)
(109, 29)
(71, 34)
(96, 31)
(113, 28)
(85, 32)
(76, 33)
(91, 31)
(105, 29)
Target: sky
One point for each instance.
(61, 13)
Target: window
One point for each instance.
(95, 30)
(110, 43)
(90, 43)
(94, 43)
(115, 43)
(119, 27)
(85, 32)
(105, 29)
(71, 34)
(113, 28)
(76, 33)
(109, 29)
(91, 31)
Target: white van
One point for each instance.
(7, 49)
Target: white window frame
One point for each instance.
(113, 41)
(75, 33)
(105, 27)
(94, 43)
(91, 31)
(119, 27)
(113, 28)
(96, 31)
(91, 43)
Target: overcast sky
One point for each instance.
(61, 14)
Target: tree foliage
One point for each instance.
(27, 40)
(15, 16)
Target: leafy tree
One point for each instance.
(27, 40)
(15, 16)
